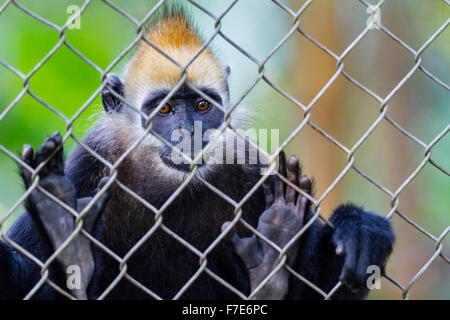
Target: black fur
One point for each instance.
(110, 102)
(127, 221)
(162, 263)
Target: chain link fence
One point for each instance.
(437, 240)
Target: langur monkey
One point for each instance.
(150, 249)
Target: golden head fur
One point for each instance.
(148, 70)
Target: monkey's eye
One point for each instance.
(166, 109)
(203, 106)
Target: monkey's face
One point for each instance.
(186, 121)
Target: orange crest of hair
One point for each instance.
(174, 31)
(176, 37)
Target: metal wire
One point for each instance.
(305, 107)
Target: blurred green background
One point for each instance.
(299, 67)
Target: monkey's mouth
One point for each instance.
(177, 162)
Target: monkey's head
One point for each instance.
(149, 77)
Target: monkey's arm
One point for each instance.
(280, 222)
(59, 223)
(357, 240)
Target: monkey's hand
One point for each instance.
(58, 222)
(280, 222)
(364, 239)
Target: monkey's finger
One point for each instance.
(59, 157)
(91, 216)
(103, 181)
(268, 195)
(105, 195)
(44, 151)
(94, 212)
(363, 261)
(350, 250)
(27, 157)
(231, 234)
(27, 154)
(56, 163)
(279, 185)
(246, 248)
(306, 184)
(249, 250)
(302, 205)
(293, 170)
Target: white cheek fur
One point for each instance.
(124, 129)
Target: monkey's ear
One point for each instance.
(227, 70)
(110, 102)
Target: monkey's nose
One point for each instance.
(189, 130)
